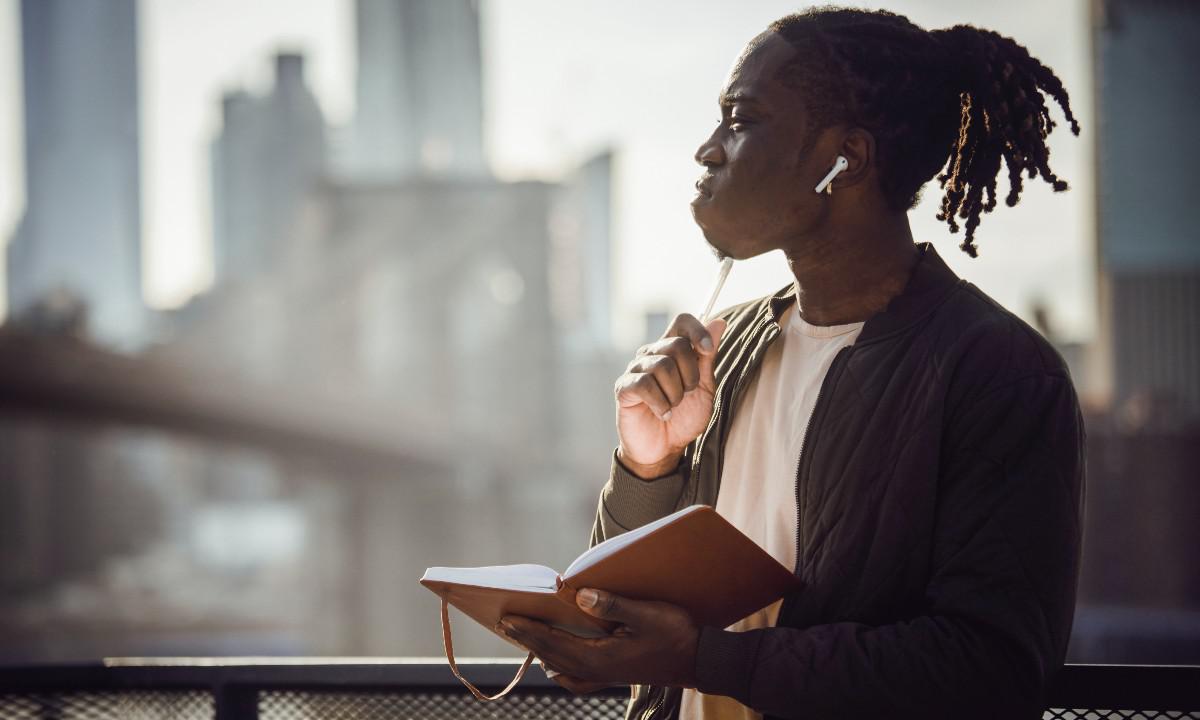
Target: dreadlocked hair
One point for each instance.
(949, 103)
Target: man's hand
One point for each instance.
(655, 644)
(665, 397)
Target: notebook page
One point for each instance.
(514, 577)
(612, 545)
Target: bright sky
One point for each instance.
(561, 81)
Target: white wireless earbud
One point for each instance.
(838, 166)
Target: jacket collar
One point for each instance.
(929, 284)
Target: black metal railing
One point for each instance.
(296, 689)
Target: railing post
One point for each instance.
(235, 702)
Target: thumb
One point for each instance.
(606, 606)
(716, 328)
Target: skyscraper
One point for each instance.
(581, 256)
(81, 232)
(419, 90)
(1149, 226)
(271, 152)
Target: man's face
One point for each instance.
(756, 193)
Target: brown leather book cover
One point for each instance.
(693, 558)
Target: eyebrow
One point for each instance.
(728, 99)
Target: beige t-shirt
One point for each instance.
(762, 452)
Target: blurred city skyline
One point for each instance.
(652, 99)
(401, 315)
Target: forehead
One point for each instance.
(756, 72)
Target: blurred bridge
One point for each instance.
(72, 381)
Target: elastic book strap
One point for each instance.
(454, 666)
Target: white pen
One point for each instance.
(723, 273)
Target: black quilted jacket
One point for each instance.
(940, 500)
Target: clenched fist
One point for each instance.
(665, 397)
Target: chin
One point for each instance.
(722, 235)
(727, 244)
(702, 214)
(723, 246)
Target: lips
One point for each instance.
(704, 186)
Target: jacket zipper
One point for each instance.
(805, 454)
(654, 708)
(769, 335)
(764, 340)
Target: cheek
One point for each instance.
(762, 173)
(768, 189)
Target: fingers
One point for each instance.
(663, 371)
(636, 388)
(677, 353)
(716, 329)
(687, 326)
(668, 374)
(556, 648)
(609, 606)
(706, 363)
(659, 376)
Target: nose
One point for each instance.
(710, 152)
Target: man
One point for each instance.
(912, 449)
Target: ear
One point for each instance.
(858, 147)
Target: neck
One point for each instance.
(848, 275)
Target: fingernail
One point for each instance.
(588, 598)
(706, 344)
(666, 416)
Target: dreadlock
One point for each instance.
(959, 100)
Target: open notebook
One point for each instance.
(692, 558)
